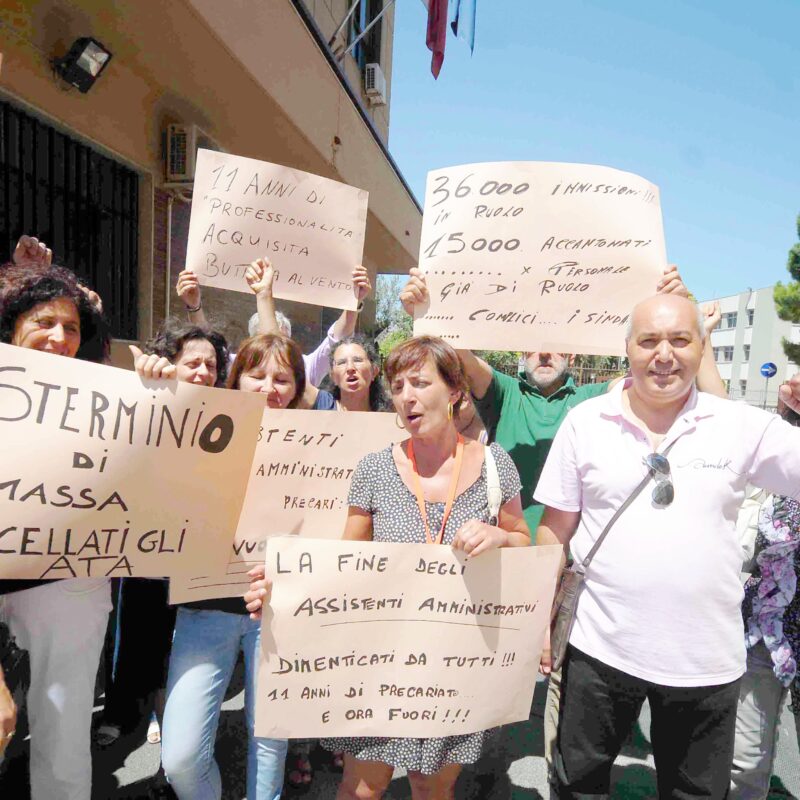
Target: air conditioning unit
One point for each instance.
(183, 142)
(375, 84)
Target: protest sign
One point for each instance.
(298, 485)
(106, 475)
(386, 639)
(311, 228)
(538, 256)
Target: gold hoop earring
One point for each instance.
(449, 411)
(398, 422)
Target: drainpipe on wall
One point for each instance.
(168, 271)
(172, 196)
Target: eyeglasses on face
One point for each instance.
(355, 360)
(663, 491)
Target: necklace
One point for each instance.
(451, 492)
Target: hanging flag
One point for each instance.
(462, 20)
(437, 33)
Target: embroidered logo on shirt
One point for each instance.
(701, 463)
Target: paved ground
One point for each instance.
(512, 768)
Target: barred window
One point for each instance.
(82, 203)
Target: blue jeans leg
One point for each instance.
(265, 757)
(204, 652)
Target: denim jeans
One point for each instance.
(204, 653)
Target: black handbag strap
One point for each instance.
(633, 495)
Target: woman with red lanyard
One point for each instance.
(431, 487)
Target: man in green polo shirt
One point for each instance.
(523, 414)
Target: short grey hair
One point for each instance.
(701, 325)
(284, 323)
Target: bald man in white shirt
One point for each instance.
(659, 614)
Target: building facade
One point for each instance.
(276, 80)
(749, 335)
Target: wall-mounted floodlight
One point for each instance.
(84, 62)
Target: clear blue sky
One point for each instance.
(702, 98)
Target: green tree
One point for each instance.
(502, 360)
(389, 338)
(392, 322)
(787, 297)
(595, 369)
(388, 310)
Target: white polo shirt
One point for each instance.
(662, 596)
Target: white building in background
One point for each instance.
(749, 335)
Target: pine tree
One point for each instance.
(787, 297)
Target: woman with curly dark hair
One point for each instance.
(61, 623)
(356, 375)
(190, 353)
(144, 619)
(355, 372)
(46, 308)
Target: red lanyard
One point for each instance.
(451, 492)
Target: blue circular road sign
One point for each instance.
(768, 369)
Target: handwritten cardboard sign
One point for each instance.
(104, 475)
(379, 639)
(538, 256)
(299, 482)
(311, 228)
